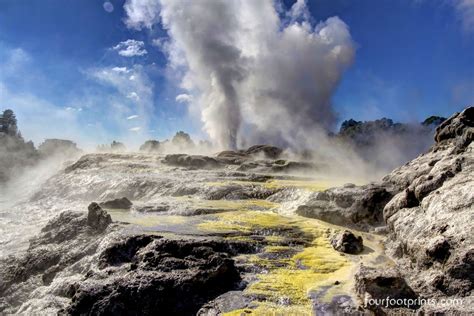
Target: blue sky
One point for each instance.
(65, 74)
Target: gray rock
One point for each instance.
(430, 221)
(121, 203)
(97, 218)
(381, 284)
(352, 206)
(63, 242)
(268, 151)
(347, 242)
(191, 161)
(146, 274)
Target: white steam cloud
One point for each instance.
(253, 73)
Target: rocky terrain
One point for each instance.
(244, 232)
(426, 207)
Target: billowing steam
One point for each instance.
(254, 73)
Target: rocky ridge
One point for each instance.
(427, 206)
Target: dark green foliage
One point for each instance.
(150, 146)
(433, 121)
(182, 140)
(15, 153)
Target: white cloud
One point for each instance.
(134, 92)
(465, 10)
(120, 69)
(142, 13)
(135, 129)
(71, 108)
(130, 48)
(183, 98)
(133, 95)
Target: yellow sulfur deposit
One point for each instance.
(289, 279)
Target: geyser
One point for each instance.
(255, 73)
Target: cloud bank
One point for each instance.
(253, 72)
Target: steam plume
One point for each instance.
(254, 72)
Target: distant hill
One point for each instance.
(387, 143)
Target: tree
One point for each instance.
(117, 146)
(182, 140)
(8, 123)
(150, 146)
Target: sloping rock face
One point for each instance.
(81, 264)
(63, 242)
(354, 206)
(428, 207)
(431, 220)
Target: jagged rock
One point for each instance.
(150, 274)
(427, 208)
(359, 207)
(121, 203)
(97, 218)
(384, 283)
(347, 242)
(430, 220)
(191, 161)
(63, 242)
(459, 126)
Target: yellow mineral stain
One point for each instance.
(288, 281)
(301, 184)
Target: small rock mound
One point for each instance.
(97, 218)
(122, 203)
(347, 242)
(270, 152)
(191, 161)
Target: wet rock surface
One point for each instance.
(65, 241)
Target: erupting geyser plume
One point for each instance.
(253, 72)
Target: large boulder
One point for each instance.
(97, 218)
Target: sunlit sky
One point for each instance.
(74, 69)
